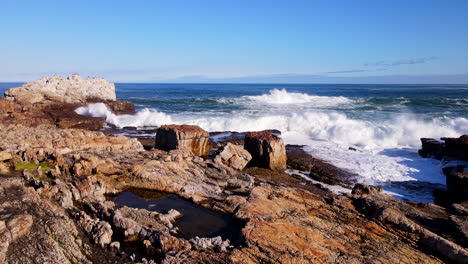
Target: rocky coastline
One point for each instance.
(57, 169)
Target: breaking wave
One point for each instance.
(143, 118)
(403, 130)
(282, 97)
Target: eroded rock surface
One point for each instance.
(193, 138)
(233, 156)
(456, 148)
(267, 150)
(73, 89)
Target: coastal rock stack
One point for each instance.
(267, 150)
(53, 100)
(193, 138)
(73, 89)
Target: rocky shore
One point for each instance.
(57, 170)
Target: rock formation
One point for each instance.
(233, 156)
(193, 138)
(457, 177)
(267, 150)
(457, 186)
(72, 89)
(54, 207)
(432, 148)
(456, 148)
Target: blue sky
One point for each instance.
(236, 41)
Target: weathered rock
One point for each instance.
(215, 243)
(100, 232)
(121, 107)
(39, 231)
(267, 150)
(460, 224)
(5, 155)
(432, 148)
(193, 138)
(457, 147)
(232, 156)
(72, 89)
(319, 170)
(375, 204)
(457, 185)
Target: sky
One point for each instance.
(329, 41)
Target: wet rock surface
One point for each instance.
(456, 148)
(456, 176)
(299, 159)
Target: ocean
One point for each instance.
(383, 123)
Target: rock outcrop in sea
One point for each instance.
(73, 89)
(55, 184)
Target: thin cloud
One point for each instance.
(401, 62)
(345, 71)
(414, 61)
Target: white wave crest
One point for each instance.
(282, 97)
(145, 117)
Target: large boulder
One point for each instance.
(193, 138)
(72, 89)
(267, 150)
(233, 156)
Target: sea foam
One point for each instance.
(282, 97)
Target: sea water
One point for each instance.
(382, 124)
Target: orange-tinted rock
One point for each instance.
(193, 138)
(232, 156)
(121, 107)
(267, 150)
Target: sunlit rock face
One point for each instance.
(73, 89)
